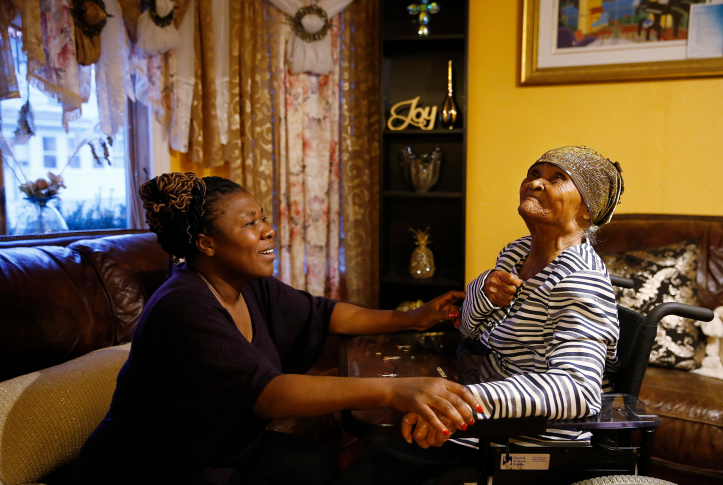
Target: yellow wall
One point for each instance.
(667, 135)
(180, 163)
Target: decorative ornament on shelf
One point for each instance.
(448, 114)
(421, 264)
(156, 32)
(408, 306)
(421, 172)
(420, 117)
(423, 9)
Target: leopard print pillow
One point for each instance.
(664, 274)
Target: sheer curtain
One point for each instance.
(305, 145)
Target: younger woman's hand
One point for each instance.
(440, 308)
(501, 287)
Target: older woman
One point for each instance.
(221, 348)
(545, 316)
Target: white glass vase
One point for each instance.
(37, 217)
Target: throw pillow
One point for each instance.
(46, 416)
(661, 275)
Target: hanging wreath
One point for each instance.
(299, 27)
(90, 18)
(161, 21)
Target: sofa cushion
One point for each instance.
(46, 416)
(131, 268)
(52, 308)
(691, 407)
(664, 274)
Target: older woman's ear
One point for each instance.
(584, 212)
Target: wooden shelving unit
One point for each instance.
(417, 66)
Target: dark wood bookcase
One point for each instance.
(417, 66)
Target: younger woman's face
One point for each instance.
(243, 242)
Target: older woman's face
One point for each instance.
(548, 195)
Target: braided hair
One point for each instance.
(180, 206)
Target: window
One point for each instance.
(22, 155)
(74, 161)
(94, 196)
(49, 157)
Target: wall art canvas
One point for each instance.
(610, 40)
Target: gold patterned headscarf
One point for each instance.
(599, 180)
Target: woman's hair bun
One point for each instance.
(174, 209)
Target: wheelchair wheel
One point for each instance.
(624, 480)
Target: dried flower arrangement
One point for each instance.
(46, 189)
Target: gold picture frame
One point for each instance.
(533, 74)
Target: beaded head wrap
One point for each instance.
(598, 179)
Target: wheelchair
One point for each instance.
(622, 433)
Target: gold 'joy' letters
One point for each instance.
(419, 117)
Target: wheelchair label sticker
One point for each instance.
(525, 462)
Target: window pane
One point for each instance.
(49, 144)
(93, 198)
(50, 161)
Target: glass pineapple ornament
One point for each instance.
(448, 113)
(421, 264)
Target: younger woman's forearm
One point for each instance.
(292, 395)
(348, 319)
(300, 395)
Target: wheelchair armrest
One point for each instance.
(621, 282)
(686, 311)
(485, 428)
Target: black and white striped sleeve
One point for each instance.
(476, 307)
(584, 330)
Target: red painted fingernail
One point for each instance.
(463, 427)
(479, 408)
(471, 421)
(453, 315)
(445, 432)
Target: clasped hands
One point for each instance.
(500, 288)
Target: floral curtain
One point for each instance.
(305, 145)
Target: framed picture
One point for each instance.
(571, 41)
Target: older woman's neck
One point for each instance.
(547, 243)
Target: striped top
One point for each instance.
(550, 352)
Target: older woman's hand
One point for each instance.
(501, 287)
(414, 427)
(440, 308)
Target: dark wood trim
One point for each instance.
(58, 235)
(3, 207)
(139, 154)
(405, 57)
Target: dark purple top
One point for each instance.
(183, 400)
